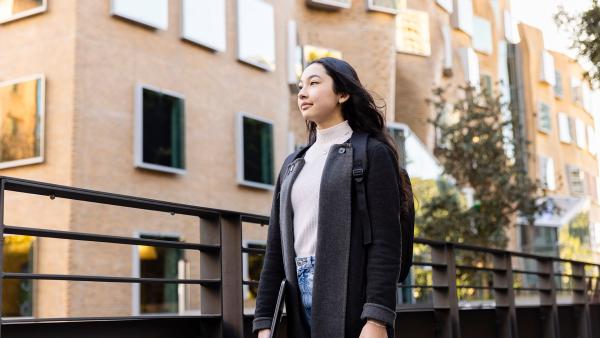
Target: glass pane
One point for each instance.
(153, 13)
(159, 262)
(21, 120)
(258, 151)
(163, 129)
(17, 294)
(256, 33)
(386, 5)
(482, 35)
(18, 8)
(204, 23)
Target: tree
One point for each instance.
(584, 29)
(473, 152)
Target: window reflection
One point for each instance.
(14, 9)
(257, 138)
(159, 262)
(256, 33)
(21, 122)
(17, 294)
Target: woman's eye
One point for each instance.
(314, 82)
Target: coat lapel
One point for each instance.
(333, 244)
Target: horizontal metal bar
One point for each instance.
(426, 286)
(262, 220)
(477, 287)
(80, 236)
(18, 320)
(106, 279)
(532, 289)
(86, 195)
(477, 268)
(250, 282)
(435, 265)
(256, 251)
(568, 275)
(529, 272)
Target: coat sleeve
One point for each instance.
(383, 255)
(272, 270)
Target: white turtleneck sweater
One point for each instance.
(305, 191)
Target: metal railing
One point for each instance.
(439, 268)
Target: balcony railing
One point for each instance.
(455, 290)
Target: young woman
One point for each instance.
(336, 286)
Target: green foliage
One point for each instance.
(584, 28)
(473, 151)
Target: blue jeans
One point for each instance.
(305, 270)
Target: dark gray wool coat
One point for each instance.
(352, 282)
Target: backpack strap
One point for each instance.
(359, 170)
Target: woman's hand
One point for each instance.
(373, 329)
(264, 333)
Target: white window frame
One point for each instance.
(135, 271)
(575, 90)
(487, 46)
(138, 134)
(546, 167)
(592, 140)
(241, 33)
(245, 267)
(239, 141)
(511, 28)
(586, 97)
(447, 5)
(448, 51)
(188, 8)
(462, 16)
(294, 54)
(329, 4)
(580, 133)
(470, 63)
(547, 69)
(162, 21)
(375, 8)
(42, 114)
(564, 130)
(539, 117)
(30, 12)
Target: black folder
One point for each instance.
(278, 309)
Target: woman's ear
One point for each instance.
(343, 98)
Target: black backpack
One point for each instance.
(407, 215)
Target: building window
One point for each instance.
(312, 53)
(203, 22)
(580, 133)
(558, 87)
(386, 6)
(592, 140)
(412, 32)
(329, 4)
(548, 73)
(482, 35)
(151, 13)
(17, 9)
(253, 263)
(22, 121)
(544, 118)
(159, 133)
(399, 137)
(576, 180)
(448, 52)
(256, 33)
(254, 151)
(486, 84)
(546, 173)
(294, 54)
(586, 97)
(564, 128)
(462, 16)
(511, 28)
(576, 90)
(17, 294)
(446, 5)
(158, 262)
(470, 66)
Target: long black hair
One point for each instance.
(363, 115)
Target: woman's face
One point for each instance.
(316, 99)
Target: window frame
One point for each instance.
(42, 115)
(486, 47)
(548, 68)
(447, 5)
(239, 141)
(547, 172)
(570, 170)
(375, 8)
(462, 16)
(564, 130)
(138, 134)
(240, 35)
(329, 4)
(539, 117)
(27, 13)
(188, 37)
(163, 25)
(558, 85)
(245, 267)
(136, 271)
(580, 134)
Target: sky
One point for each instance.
(539, 13)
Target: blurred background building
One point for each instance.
(195, 102)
